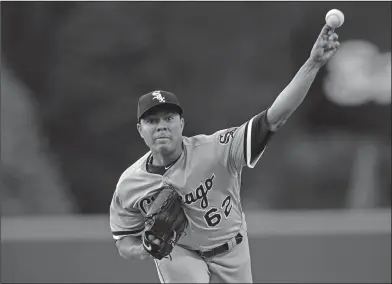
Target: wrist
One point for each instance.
(308, 70)
(312, 65)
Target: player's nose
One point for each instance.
(161, 128)
(162, 125)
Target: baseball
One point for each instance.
(334, 18)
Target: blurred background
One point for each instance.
(71, 75)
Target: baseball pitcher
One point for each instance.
(180, 203)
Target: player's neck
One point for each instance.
(160, 159)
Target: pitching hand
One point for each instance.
(325, 47)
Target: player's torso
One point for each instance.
(211, 198)
(210, 195)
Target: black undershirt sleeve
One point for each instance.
(260, 135)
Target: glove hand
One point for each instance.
(165, 223)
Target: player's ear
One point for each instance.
(182, 124)
(139, 128)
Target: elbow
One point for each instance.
(121, 250)
(276, 120)
(276, 125)
(123, 255)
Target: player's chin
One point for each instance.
(164, 148)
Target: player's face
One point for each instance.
(162, 131)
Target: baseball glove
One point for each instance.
(165, 223)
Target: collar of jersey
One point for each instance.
(150, 168)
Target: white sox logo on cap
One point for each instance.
(157, 95)
(157, 98)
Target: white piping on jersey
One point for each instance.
(249, 163)
(119, 237)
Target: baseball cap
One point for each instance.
(157, 99)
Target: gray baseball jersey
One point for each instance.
(208, 178)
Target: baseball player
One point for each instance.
(206, 171)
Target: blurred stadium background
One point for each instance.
(318, 202)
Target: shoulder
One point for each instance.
(222, 136)
(197, 140)
(131, 175)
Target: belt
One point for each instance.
(220, 249)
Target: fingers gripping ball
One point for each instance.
(334, 18)
(165, 223)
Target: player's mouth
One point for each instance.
(162, 138)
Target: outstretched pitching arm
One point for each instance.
(260, 129)
(292, 96)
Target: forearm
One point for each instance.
(128, 247)
(292, 96)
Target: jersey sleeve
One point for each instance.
(244, 145)
(124, 221)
